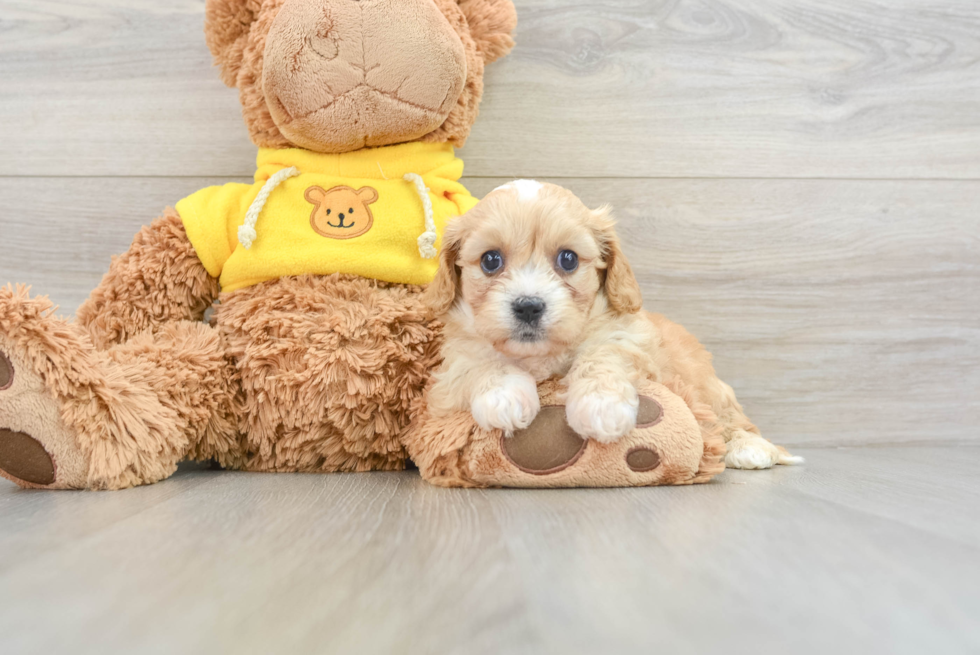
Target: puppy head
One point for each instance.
(528, 266)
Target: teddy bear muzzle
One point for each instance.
(340, 75)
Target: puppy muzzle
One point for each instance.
(528, 312)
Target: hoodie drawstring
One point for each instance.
(426, 241)
(246, 233)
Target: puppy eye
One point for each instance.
(328, 212)
(491, 261)
(567, 261)
(350, 211)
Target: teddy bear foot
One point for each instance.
(37, 450)
(667, 447)
(550, 444)
(652, 454)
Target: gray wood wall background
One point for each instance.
(798, 181)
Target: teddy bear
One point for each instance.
(317, 347)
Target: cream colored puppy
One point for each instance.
(532, 284)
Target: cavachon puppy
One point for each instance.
(533, 284)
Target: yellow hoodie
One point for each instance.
(361, 213)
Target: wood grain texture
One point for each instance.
(814, 219)
(863, 550)
(842, 312)
(634, 88)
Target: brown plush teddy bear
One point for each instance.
(318, 346)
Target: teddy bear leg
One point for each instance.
(183, 364)
(72, 417)
(158, 281)
(330, 370)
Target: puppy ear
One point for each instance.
(441, 293)
(491, 24)
(622, 289)
(226, 28)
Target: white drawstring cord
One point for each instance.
(246, 233)
(427, 241)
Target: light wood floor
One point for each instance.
(797, 181)
(864, 550)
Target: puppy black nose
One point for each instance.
(528, 310)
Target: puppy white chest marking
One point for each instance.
(527, 190)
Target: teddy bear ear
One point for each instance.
(226, 27)
(491, 24)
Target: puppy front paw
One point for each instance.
(510, 406)
(605, 418)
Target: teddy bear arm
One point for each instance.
(159, 280)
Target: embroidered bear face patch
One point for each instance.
(342, 212)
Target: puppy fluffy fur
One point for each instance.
(524, 313)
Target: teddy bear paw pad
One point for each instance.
(642, 459)
(548, 445)
(37, 448)
(649, 413)
(22, 457)
(6, 372)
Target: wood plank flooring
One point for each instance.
(867, 550)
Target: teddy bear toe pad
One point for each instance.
(6, 372)
(649, 413)
(642, 459)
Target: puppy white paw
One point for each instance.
(750, 451)
(510, 406)
(605, 418)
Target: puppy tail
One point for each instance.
(788, 460)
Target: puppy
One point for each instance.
(532, 284)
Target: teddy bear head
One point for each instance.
(339, 75)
